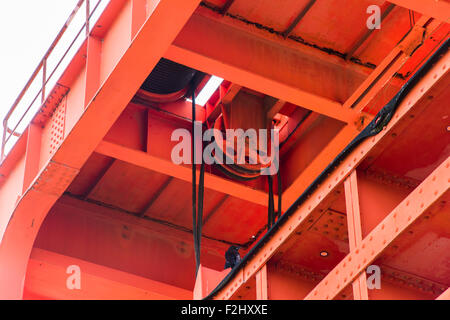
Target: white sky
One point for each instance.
(27, 28)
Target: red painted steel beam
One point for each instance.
(360, 291)
(261, 284)
(213, 182)
(358, 101)
(286, 283)
(206, 280)
(132, 62)
(47, 277)
(298, 18)
(390, 64)
(320, 162)
(408, 211)
(133, 67)
(32, 155)
(439, 9)
(94, 47)
(226, 95)
(367, 34)
(138, 13)
(228, 54)
(302, 214)
(274, 38)
(109, 215)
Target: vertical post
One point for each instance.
(355, 230)
(138, 15)
(5, 125)
(32, 155)
(87, 18)
(94, 47)
(44, 78)
(261, 283)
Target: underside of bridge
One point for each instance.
(91, 181)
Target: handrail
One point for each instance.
(42, 65)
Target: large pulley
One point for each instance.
(244, 136)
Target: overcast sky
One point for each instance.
(28, 27)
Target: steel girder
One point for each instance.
(424, 196)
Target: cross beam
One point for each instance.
(213, 182)
(47, 277)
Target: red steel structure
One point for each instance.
(90, 181)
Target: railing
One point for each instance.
(42, 67)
